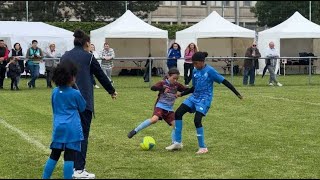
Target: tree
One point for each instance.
(37, 11)
(272, 13)
(89, 11)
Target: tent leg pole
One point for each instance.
(150, 64)
(232, 71)
(310, 71)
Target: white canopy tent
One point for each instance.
(294, 35)
(217, 36)
(130, 36)
(24, 32)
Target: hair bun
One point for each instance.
(205, 54)
(78, 33)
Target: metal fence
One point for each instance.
(230, 60)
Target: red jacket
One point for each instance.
(6, 54)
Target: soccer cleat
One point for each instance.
(96, 86)
(270, 84)
(279, 84)
(131, 134)
(174, 146)
(202, 151)
(83, 174)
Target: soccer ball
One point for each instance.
(147, 143)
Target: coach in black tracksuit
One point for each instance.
(87, 65)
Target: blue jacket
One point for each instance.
(87, 65)
(174, 53)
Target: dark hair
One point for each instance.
(199, 56)
(14, 46)
(173, 71)
(33, 41)
(63, 73)
(80, 37)
(179, 48)
(11, 58)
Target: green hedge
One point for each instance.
(72, 26)
(89, 26)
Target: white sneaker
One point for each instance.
(279, 84)
(96, 86)
(270, 84)
(83, 174)
(174, 146)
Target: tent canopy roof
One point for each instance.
(296, 26)
(129, 26)
(215, 26)
(27, 29)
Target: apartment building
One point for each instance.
(191, 12)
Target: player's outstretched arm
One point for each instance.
(232, 88)
(102, 78)
(187, 91)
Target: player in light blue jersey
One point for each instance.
(67, 132)
(199, 102)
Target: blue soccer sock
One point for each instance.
(200, 136)
(48, 169)
(178, 129)
(143, 125)
(68, 169)
(173, 135)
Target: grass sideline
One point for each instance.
(272, 133)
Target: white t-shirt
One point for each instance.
(274, 54)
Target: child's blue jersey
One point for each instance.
(66, 105)
(202, 81)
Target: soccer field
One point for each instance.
(274, 132)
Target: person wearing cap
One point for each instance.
(50, 63)
(251, 64)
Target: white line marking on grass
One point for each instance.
(286, 99)
(25, 136)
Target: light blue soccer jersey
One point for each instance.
(66, 105)
(202, 81)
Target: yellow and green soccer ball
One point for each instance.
(147, 143)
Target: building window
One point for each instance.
(183, 3)
(226, 3)
(247, 3)
(203, 2)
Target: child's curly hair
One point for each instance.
(64, 72)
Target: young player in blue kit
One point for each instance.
(67, 131)
(199, 102)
